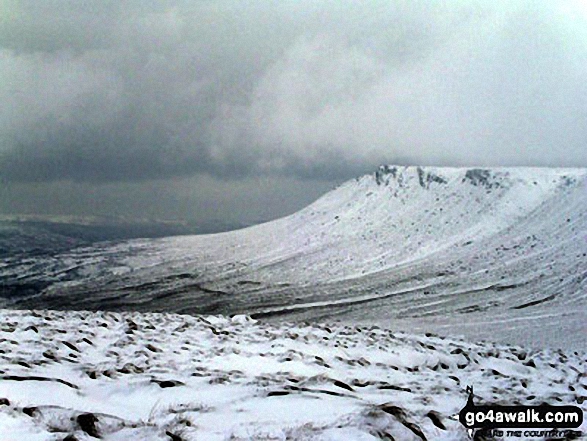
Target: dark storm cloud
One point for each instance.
(114, 91)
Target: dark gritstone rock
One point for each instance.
(343, 385)
(87, 423)
(173, 436)
(426, 178)
(167, 383)
(480, 177)
(30, 411)
(277, 393)
(436, 419)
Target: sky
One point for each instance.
(245, 111)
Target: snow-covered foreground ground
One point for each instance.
(133, 376)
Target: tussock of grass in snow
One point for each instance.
(122, 376)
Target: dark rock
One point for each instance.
(415, 429)
(167, 383)
(396, 411)
(173, 436)
(30, 411)
(87, 423)
(343, 385)
(71, 346)
(277, 393)
(383, 435)
(387, 386)
(50, 355)
(152, 348)
(481, 177)
(436, 419)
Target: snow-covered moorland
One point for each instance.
(148, 376)
(497, 254)
(488, 254)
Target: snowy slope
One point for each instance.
(133, 376)
(486, 253)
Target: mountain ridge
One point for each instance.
(436, 247)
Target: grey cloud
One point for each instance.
(500, 91)
(115, 91)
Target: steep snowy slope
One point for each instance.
(482, 252)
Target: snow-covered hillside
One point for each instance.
(131, 376)
(486, 253)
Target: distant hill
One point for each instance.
(48, 234)
(438, 248)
